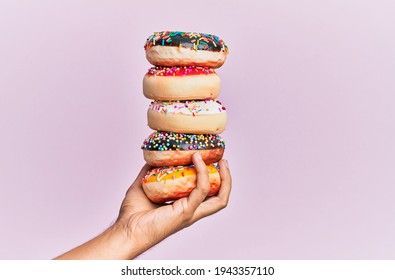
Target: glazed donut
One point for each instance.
(173, 48)
(195, 117)
(166, 184)
(181, 83)
(172, 149)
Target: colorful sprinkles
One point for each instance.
(165, 141)
(192, 40)
(161, 172)
(180, 71)
(189, 107)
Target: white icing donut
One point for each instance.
(195, 117)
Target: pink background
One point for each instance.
(310, 91)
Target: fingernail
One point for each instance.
(198, 156)
(226, 164)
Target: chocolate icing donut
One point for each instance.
(191, 40)
(174, 48)
(165, 141)
(171, 149)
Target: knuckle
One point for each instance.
(186, 217)
(186, 213)
(205, 175)
(202, 169)
(205, 188)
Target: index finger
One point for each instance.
(199, 193)
(216, 203)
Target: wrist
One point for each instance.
(121, 241)
(112, 244)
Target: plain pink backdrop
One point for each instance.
(310, 91)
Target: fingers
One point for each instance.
(226, 181)
(199, 193)
(216, 203)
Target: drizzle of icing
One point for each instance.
(189, 107)
(174, 172)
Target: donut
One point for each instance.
(195, 117)
(166, 184)
(174, 48)
(168, 148)
(181, 83)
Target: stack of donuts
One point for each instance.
(184, 112)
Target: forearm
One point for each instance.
(112, 244)
(142, 224)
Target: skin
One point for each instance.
(142, 224)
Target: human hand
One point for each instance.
(141, 224)
(146, 224)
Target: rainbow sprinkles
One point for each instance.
(191, 40)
